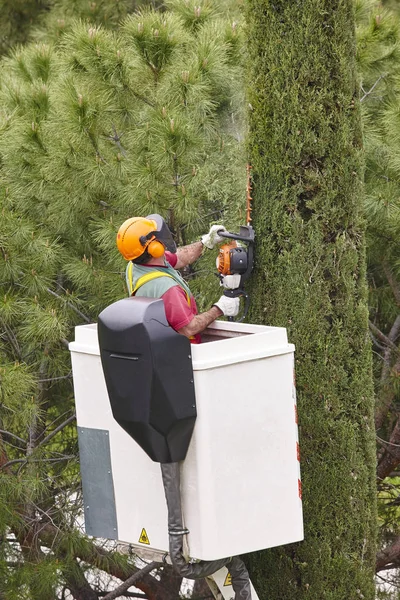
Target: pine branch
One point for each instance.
(127, 594)
(132, 580)
(142, 98)
(389, 557)
(56, 430)
(95, 146)
(376, 343)
(53, 422)
(391, 456)
(12, 340)
(116, 139)
(388, 342)
(15, 437)
(386, 391)
(51, 379)
(393, 333)
(25, 461)
(385, 398)
(372, 88)
(3, 454)
(70, 305)
(395, 287)
(45, 514)
(78, 584)
(99, 558)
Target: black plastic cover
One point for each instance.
(148, 371)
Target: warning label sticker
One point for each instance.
(228, 579)
(144, 538)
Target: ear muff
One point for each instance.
(155, 249)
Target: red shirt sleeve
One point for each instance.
(177, 310)
(171, 258)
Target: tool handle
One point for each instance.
(246, 234)
(235, 294)
(245, 309)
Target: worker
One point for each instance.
(149, 246)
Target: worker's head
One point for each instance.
(141, 239)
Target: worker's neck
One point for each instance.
(156, 262)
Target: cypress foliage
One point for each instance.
(306, 151)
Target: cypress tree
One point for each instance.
(305, 148)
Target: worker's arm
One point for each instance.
(188, 254)
(225, 306)
(200, 322)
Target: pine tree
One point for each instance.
(48, 20)
(379, 64)
(96, 127)
(100, 124)
(306, 151)
(18, 17)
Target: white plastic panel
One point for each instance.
(223, 580)
(240, 479)
(138, 489)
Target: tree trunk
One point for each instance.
(170, 582)
(305, 148)
(201, 591)
(78, 584)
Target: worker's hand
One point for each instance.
(228, 306)
(210, 239)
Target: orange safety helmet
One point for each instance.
(140, 234)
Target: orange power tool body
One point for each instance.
(236, 260)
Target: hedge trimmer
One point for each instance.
(235, 259)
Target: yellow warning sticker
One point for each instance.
(144, 538)
(228, 579)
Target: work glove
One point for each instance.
(210, 239)
(229, 306)
(230, 282)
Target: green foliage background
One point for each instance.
(96, 126)
(109, 112)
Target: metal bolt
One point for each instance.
(191, 381)
(189, 356)
(108, 472)
(87, 508)
(193, 406)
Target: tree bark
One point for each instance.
(130, 581)
(170, 581)
(391, 456)
(78, 584)
(201, 591)
(386, 392)
(389, 557)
